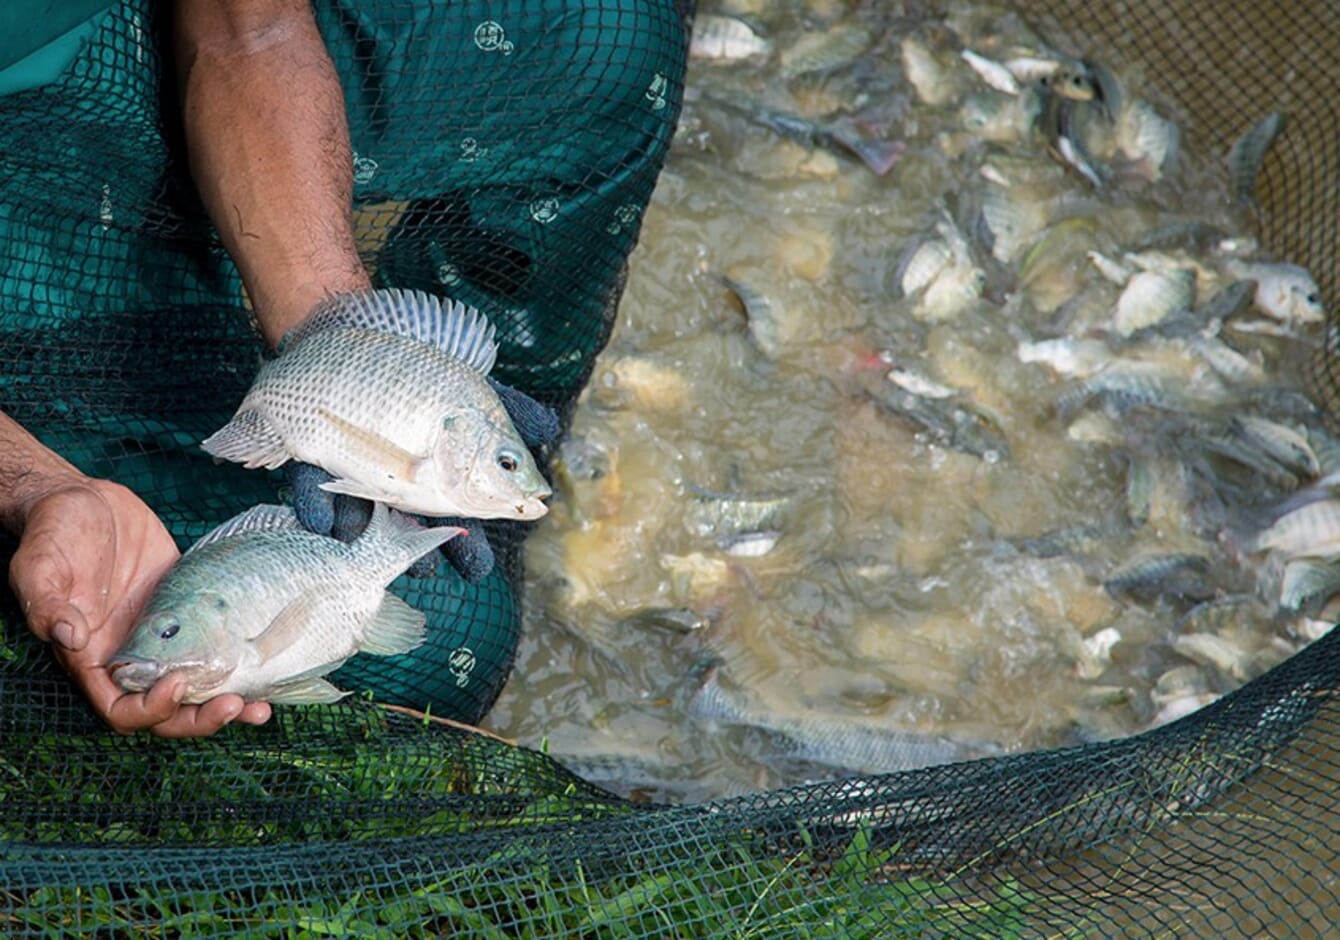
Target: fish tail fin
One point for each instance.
(396, 541)
(878, 155)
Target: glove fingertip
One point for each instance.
(351, 517)
(425, 567)
(313, 506)
(536, 423)
(542, 424)
(470, 554)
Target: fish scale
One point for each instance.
(262, 608)
(834, 743)
(339, 357)
(388, 392)
(1312, 531)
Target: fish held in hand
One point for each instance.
(388, 392)
(262, 608)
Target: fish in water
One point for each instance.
(1247, 154)
(727, 516)
(1145, 578)
(262, 608)
(957, 424)
(853, 746)
(1285, 292)
(388, 392)
(844, 132)
(725, 39)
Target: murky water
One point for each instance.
(835, 490)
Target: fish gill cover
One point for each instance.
(355, 819)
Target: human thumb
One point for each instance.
(49, 612)
(59, 622)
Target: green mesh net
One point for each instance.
(522, 192)
(121, 307)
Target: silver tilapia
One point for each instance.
(852, 746)
(263, 608)
(387, 391)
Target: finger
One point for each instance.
(351, 517)
(197, 721)
(55, 620)
(535, 423)
(425, 567)
(469, 553)
(128, 712)
(255, 713)
(43, 591)
(314, 507)
(159, 710)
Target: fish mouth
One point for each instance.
(127, 658)
(533, 507)
(133, 672)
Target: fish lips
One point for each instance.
(534, 506)
(133, 672)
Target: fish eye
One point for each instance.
(508, 461)
(169, 630)
(1313, 299)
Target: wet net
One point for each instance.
(548, 122)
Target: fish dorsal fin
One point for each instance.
(460, 331)
(262, 518)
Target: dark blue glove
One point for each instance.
(345, 517)
(536, 423)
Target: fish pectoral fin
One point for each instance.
(286, 628)
(249, 439)
(345, 487)
(312, 690)
(388, 456)
(395, 628)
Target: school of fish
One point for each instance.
(951, 395)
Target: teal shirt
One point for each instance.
(40, 38)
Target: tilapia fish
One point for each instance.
(263, 608)
(853, 746)
(388, 392)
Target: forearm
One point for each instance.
(269, 150)
(28, 471)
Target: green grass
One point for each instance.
(428, 833)
(726, 893)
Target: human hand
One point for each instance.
(90, 553)
(345, 517)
